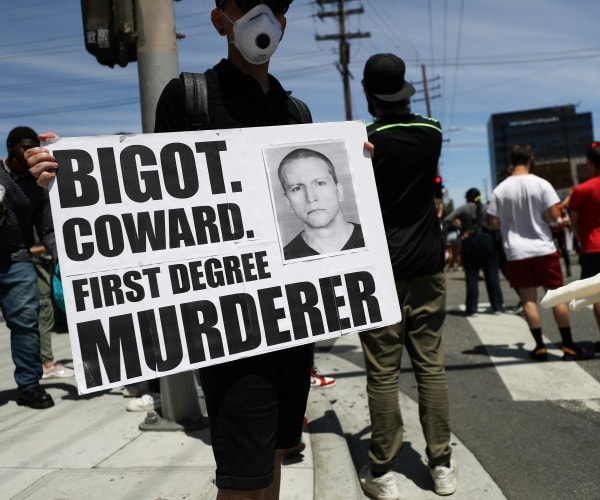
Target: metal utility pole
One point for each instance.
(157, 65)
(119, 32)
(343, 38)
(156, 53)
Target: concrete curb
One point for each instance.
(334, 472)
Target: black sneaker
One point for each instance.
(35, 397)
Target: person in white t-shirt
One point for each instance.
(524, 207)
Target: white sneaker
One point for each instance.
(147, 402)
(380, 488)
(57, 370)
(445, 478)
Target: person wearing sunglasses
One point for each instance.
(255, 405)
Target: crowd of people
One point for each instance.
(256, 406)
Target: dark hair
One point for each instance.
(521, 154)
(388, 106)
(473, 195)
(301, 154)
(17, 134)
(593, 154)
(219, 3)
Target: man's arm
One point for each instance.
(2, 204)
(493, 222)
(575, 225)
(552, 215)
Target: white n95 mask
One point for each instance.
(257, 34)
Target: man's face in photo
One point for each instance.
(311, 191)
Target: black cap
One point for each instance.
(383, 77)
(17, 134)
(472, 194)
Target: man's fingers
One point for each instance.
(46, 136)
(45, 178)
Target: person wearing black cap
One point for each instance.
(584, 207)
(478, 252)
(405, 161)
(27, 206)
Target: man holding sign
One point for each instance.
(171, 251)
(256, 405)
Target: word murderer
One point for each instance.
(235, 324)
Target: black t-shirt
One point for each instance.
(407, 150)
(235, 100)
(297, 247)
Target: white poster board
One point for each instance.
(171, 250)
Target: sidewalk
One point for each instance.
(91, 447)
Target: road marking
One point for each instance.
(505, 337)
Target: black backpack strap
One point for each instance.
(302, 109)
(196, 100)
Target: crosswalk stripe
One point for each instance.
(505, 337)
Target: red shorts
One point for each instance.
(544, 271)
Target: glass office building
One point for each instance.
(559, 136)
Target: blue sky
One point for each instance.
(480, 58)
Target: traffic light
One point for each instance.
(438, 190)
(109, 31)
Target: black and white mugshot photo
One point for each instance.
(314, 199)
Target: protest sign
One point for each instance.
(171, 248)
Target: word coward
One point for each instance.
(171, 250)
(140, 176)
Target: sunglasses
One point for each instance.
(277, 6)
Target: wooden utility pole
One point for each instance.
(426, 90)
(344, 46)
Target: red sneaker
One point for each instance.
(319, 381)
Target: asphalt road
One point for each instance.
(533, 446)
